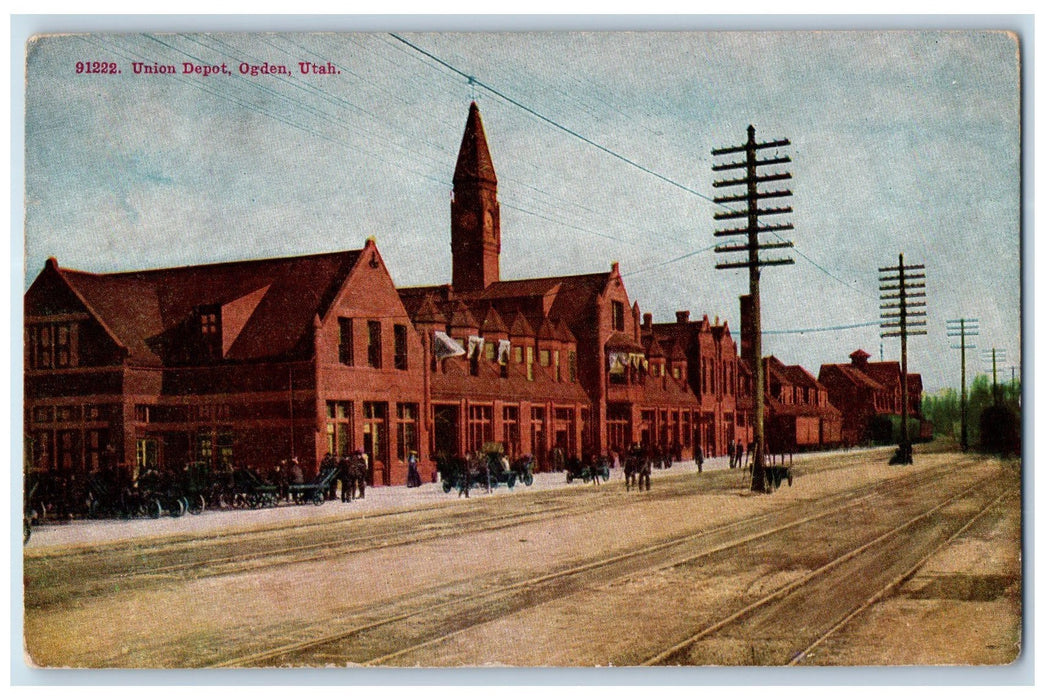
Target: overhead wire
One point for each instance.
(475, 81)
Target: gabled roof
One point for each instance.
(800, 377)
(493, 323)
(461, 317)
(521, 327)
(653, 348)
(429, 313)
(562, 332)
(139, 307)
(849, 374)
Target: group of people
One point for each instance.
(350, 475)
(735, 450)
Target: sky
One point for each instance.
(901, 142)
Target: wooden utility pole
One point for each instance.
(963, 328)
(897, 321)
(994, 355)
(750, 196)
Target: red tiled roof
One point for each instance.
(619, 341)
(141, 306)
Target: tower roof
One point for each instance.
(473, 160)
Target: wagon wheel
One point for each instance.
(317, 497)
(511, 481)
(154, 508)
(178, 507)
(569, 477)
(447, 486)
(197, 503)
(528, 479)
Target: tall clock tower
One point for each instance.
(475, 214)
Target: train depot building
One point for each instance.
(254, 362)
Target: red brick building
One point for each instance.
(250, 363)
(862, 390)
(240, 363)
(799, 414)
(552, 362)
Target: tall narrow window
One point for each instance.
(618, 315)
(400, 347)
(373, 344)
(406, 429)
(344, 341)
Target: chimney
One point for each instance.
(647, 322)
(682, 317)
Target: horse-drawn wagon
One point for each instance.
(598, 469)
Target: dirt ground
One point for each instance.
(963, 607)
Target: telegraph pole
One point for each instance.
(896, 321)
(750, 197)
(994, 355)
(963, 328)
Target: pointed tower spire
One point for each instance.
(475, 213)
(473, 160)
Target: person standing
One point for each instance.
(413, 478)
(698, 456)
(344, 475)
(731, 450)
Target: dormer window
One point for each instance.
(210, 331)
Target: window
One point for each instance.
(618, 315)
(510, 423)
(518, 354)
(339, 428)
(400, 346)
(209, 319)
(406, 429)
(545, 357)
(53, 346)
(488, 350)
(555, 362)
(345, 354)
(480, 426)
(148, 454)
(529, 364)
(373, 344)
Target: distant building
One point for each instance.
(862, 390)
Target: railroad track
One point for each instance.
(313, 542)
(366, 641)
(775, 602)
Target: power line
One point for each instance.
(823, 329)
(475, 81)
